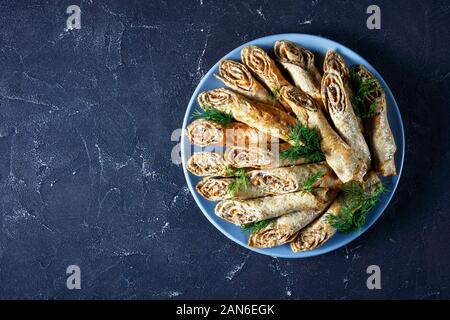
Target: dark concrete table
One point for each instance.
(86, 179)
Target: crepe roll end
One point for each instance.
(258, 61)
(207, 164)
(205, 133)
(270, 237)
(334, 62)
(213, 189)
(273, 183)
(289, 52)
(248, 157)
(235, 74)
(295, 97)
(333, 92)
(312, 237)
(235, 212)
(388, 169)
(216, 98)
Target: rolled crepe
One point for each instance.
(284, 229)
(216, 189)
(292, 179)
(259, 156)
(242, 212)
(299, 63)
(341, 113)
(237, 77)
(335, 63)
(379, 132)
(269, 182)
(263, 117)
(338, 154)
(206, 133)
(207, 164)
(216, 164)
(265, 69)
(320, 231)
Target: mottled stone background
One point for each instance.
(85, 171)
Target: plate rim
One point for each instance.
(293, 255)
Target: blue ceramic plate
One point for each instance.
(319, 46)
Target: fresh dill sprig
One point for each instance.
(209, 113)
(364, 89)
(256, 226)
(274, 96)
(306, 144)
(308, 186)
(356, 206)
(241, 182)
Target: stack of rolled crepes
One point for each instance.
(291, 197)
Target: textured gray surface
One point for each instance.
(85, 172)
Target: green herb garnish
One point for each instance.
(256, 226)
(274, 96)
(364, 90)
(306, 144)
(209, 113)
(308, 186)
(355, 208)
(241, 182)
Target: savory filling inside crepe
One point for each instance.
(237, 77)
(334, 62)
(207, 164)
(259, 62)
(205, 133)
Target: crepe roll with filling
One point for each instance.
(263, 117)
(341, 112)
(299, 63)
(338, 154)
(204, 133)
(284, 229)
(335, 63)
(208, 164)
(379, 133)
(241, 212)
(216, 189)
(293, 178)
(237, 77)
(320, 231)
(259, 156)
(265, 69)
